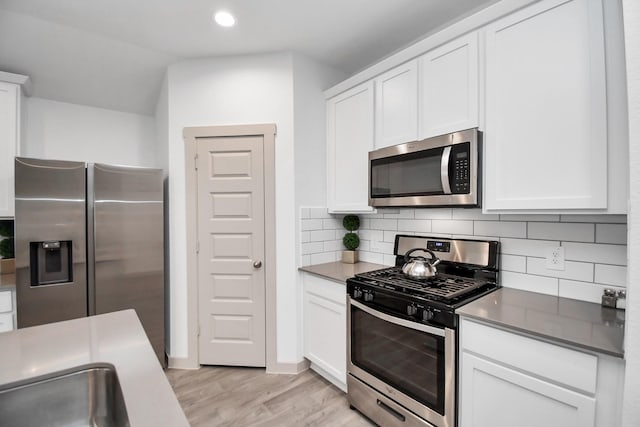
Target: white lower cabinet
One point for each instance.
(508, 379)
(6, 311)
(325, 328)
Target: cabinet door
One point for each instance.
(493, 395)
(325, 327)
(449, 87)
(349, 140)
(397, 106)
(546, 129)
(9, 108)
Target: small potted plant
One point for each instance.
(351, 241)
(7, 263)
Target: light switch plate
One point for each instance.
(555, 258)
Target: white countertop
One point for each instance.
(115, 338)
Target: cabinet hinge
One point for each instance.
(195, 161)
(198, 247)
(198, 329)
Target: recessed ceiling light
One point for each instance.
(224, 19)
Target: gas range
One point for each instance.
(467, 271)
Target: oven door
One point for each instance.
(409, 362)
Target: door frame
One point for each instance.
(191, 136)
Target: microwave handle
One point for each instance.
(444, 170)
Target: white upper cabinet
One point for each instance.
(349, 140)
(396, 115)
(449, 87)
(9, 142)
(546, 109)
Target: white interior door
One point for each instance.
(231, 279)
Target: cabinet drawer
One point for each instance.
(5, 301)
(327, 289)
(6, 322)
(558, 364)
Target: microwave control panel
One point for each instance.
(460, 169)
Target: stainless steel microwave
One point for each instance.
(439, 171)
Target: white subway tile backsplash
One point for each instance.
(500, 228)
(333, 224)
(582, 271)
(312, 248)
(591, 292)
(417, 225)
(433, 214)
(595, 245)
(603, 219)
(401, 214)
(384, 224)
(451, 226)
(333, 245)
(311, 224)
(323, 257)
(573, 232)
(514, 263)
(527, 282)
(611, 233)
(536, 248)
(321, 235)
(475, 214)
(319, 213)
(611, 275)
(596, 253)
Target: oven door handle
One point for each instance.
(398, 321)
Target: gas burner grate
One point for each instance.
(442, 286)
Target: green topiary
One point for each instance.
(351, 222)
(351, 241)
(6, 248)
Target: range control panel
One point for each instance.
(438, 246)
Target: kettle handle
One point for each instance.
(434, 259)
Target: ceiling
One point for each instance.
(114, 53)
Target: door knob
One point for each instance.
(257, 264)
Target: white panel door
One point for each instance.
(349, 140)
(493, 395)
(231, 250)
(396, 117)
(9, 114)
(546, 122)
(449, 87)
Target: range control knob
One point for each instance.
(412, 310)
(357, 293)
(368, 296)
(427, 315)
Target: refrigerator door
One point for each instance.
(50, 241)
(127, 219)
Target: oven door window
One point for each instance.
(413, 174)
(411, 361)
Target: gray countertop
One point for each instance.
(116, 338)
(339, 271)
(561, 320)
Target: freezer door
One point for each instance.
(128, 245)
(50, 241)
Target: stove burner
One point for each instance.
(442, 286)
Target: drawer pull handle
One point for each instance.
(390, 410)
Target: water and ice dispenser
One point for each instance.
(51, 262)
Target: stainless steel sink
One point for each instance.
(88, 395)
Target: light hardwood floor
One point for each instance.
(229, 396)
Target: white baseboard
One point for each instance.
(182, 363)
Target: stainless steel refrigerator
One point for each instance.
(89, 240)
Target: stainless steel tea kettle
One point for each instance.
(419, 267)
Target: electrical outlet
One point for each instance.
(555, 258)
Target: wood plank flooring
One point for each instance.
(230, 396)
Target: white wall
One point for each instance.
(310, 79)
(58, 130)
(223, 91)
(631, 403)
